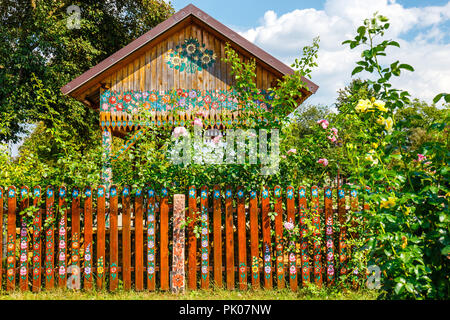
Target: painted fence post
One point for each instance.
(328, 202)
(139, 241)
(126, 238)
(113, 240)
(1, 236)
(290, 208)
(50, 240)
(101, 262)
(342, 233)
(302, 205)
(62, 239)
(151, 232)
(74, 272)
(37, 222)
(164, 240)
(316, 224)
(88, 246)
(205, 237)
(23, 268)
(278, 207)
(11, 241)
(178, 272)
(217, 234)
(229, 238)
(242, 239)
(192, 239)
(254, 241)
(267, 237)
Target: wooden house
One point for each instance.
(178, 66)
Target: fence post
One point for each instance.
(36, 287)
(242, 239)
(49, 240)
(303, 236)
(328, 202)
(205, 237)
(192, 249)
(229, 238)
(290, 208)
(178, 272)
(267, 238)
(101, 196)
(88, 249)
(23, 270)
(278, 207)
(316, 223)
(138, 241)
(62, 239)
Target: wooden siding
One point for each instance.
(150, 70)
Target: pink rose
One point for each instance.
(332, 138)
(180, 131)
(216, 140)
(324, 162)
(324, 123)
(292, 151)
(421, 157)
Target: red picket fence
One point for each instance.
(63, 240)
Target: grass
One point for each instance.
(311, 293)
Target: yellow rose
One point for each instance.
(375, 145)
(390, 202)
(380, 105)
(363, 105)
(381, 120)
(389, 123)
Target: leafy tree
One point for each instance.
(35, 39)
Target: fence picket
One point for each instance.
(126, 238)
(11, 241)
(101, 257)
(192, 239)
(242, 239)
(49, 240)
(88, 247)
(217, 221)
(151, 256)
(113, 240)
(278, 208)
(37, 221)
(267, 241)
(205, 238)
(23, 268)
(254, 241)
(62, 239)
(229, 238)
(138, 241)
(164, 251)
(328, 203)
(342, 233)
(290, 208)
(316, 224)
(302, 205)
(1, 228)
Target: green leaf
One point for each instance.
(357, 70)
(438, 97)
(406, 67)
(393, 43)
(446, 251)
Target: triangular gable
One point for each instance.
(105, 75)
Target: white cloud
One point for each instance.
(286, 35)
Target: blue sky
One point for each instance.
(283, 27)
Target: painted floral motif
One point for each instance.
(290, 193)
(228, 193)
(126, 192)
(277, 192)
(329, 243)
(240, 194)
(49, 240)
(255, 267)
(316, 223)
(164, 192)
(101, 192)
(178, 261)
(216, 194)
(242, 271)
(150, 240)
(36, 242)
(267, 264)
(190, 56)
(87, 262)
(192, 193)
(341, 193)
(265, 193)
(113, 270)
(170, 100)
(62, 247)
(11, 258)
(252, 194)
(75, 193)
(11, 192)
(23, 193)
(204, 244)
(23, 249)
(204, 194)
(100, 267)
(75, 249)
